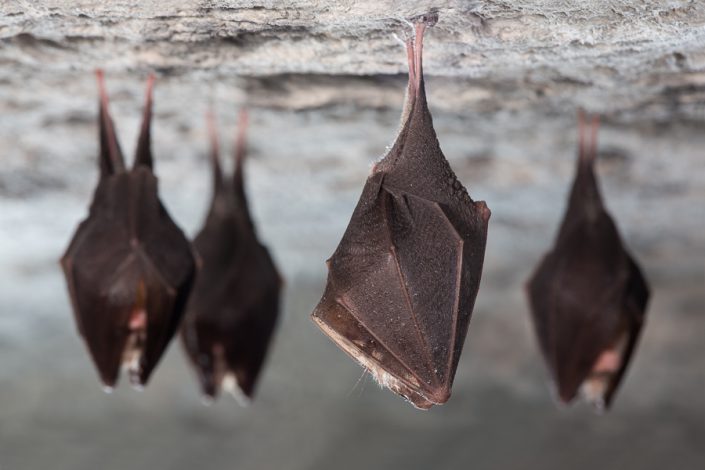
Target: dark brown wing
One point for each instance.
(109, 267)
(402, 283)
(399, 277)
(95, 257)
(128, 268)
(634, 303)
(233, 310)
(576, 297)
(168, 256)
(231, 316)
(587, 296)
(229, 332)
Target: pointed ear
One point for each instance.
(241, 144)
(111, 160)
(215, 152)
(143, 155)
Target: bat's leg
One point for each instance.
(241, 139)
(420, 24)
(607, 365)
(418, 53)
(411, 87)
(143, 155)
(111, 160)
(239, 154)
(581, 135)
(587, 147)
(411, 61)
(215, 151)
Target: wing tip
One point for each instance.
(422, 398)
(485, 211)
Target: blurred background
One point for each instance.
(324, 82)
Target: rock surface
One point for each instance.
(325, 82)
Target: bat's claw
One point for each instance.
(428, 19)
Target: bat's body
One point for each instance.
(129, 268)
(588, 297)
(403, 280)
(234, 306)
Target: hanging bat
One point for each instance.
(234, 306)
(588, 297)
(129, 267)
(403, 280)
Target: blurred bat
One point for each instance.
(588, 297)
(403, 280)
(234, 306)
(129, 268)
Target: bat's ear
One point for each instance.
(111, 160)
(241, 144)
(215, 152)
(143, 156)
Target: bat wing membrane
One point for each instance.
(379, 284)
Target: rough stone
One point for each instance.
(324, 81)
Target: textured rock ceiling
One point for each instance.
(609, 55)
(324, 81)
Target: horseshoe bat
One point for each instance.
(234, 306)
(588, 296)
(129, 267)
(402, 282)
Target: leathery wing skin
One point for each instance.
(588, 296)
(129, 268)
(402, 283)
(233, 310)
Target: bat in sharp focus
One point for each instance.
(402, 283)
(588, 297)
(234, 305)
(129, 267)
